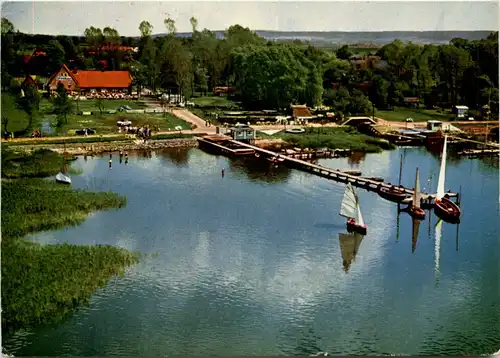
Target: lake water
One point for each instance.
(250, 264)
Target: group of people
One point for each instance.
(143, 132)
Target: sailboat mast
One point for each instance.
(416, 195)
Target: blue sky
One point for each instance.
(72, 17)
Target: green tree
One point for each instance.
(343, 52)
(62, 105)
(111, 36)
(7, 26)
(30, 103)
(146, 29)
(100, 105)
(93, 37)
(55, 55)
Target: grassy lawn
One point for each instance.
(106, 124)
(109, 104)
(332, 138)
(215, 101)
(90, 105)
(399, 114)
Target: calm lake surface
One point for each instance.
(251, 264)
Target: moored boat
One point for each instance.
(349, 208)
(415, 210)
(392, 194)
(62, 177)
(444, 208)
(276, 159)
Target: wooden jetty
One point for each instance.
(225, 145)
(475, 153)
(316, 154)
(337, 175)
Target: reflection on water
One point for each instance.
(177, 156)
(260, 170)
(250, 264)
(414, 235)
(355, 158)
(349, 247)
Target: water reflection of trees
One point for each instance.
(260, 170)
(177, 156)
(356, 157)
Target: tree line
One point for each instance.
(268, 74)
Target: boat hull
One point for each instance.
(447, 210)
(417, 213)
(352, 226)
(394, 195)
(63, 179)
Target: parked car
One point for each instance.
(82, 131)
(124, 123)
(124, 108)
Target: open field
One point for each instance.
(103, 124)
(332, 138)
(215, 101)
(107, 122)
(399, 114)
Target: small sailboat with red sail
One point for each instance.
(444, 208)
(349, 208)
(415, 210)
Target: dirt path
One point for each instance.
(189, 117)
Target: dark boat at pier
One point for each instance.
(392, 194)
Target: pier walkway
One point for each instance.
(337, 175)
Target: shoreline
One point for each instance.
(115, 146)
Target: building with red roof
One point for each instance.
(88, 81)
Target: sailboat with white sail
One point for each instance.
(349, 209)
(62, 177)
(415, 210)
(444, 208)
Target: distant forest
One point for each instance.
(264, 73)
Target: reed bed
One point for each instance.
(43, 283)
(333, 138)
(30, 205)
(38, 164)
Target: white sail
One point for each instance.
(416, 195)
(442, 172)
(349, 203)
(359, 218)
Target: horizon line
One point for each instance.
(279, 31)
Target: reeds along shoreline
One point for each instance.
(43, 283)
